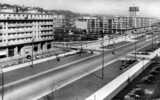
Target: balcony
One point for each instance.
(46, 33)
(19, 36)
(46, 28)
(18, 30)
(22, 24)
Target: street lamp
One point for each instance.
(32, 50)
(81, 41)
(135, 46)
(2, 79)
(152, 40)
(70, 37)
(102, 45)
(102, 55)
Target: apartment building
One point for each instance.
(92, 25)
(59, 21)
(20, 33)
(121, 24)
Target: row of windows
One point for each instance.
(46, 26)
(20, 33)
(18, 39)
(20, 27)
(29, 16)
(28, 38)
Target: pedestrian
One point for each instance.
(113, 52)
(57, 58)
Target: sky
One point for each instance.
(108, 7)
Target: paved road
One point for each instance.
(86, 86)
(42, 84)
(24, 72)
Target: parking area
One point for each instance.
(146, 86)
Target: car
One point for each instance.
(157, 69)
(28, 56)
(154, 72)
(132, 96)
(148, 79)
(137, 91)
(38, 57)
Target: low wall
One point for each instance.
(115, 86)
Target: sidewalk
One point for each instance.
(7, 69)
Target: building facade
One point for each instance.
(92, 25)
(120, 24)
(22, 33)
(59, 21)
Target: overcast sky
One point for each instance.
(114, 7)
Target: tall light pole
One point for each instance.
(102, 43)
(152, 36)
(2, 77)
(152, 40)
(135, 46)
(32, 50)
(102, 69)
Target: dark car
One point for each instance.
(148, 79)
(154, 72)
(157, 69)
(28, 56)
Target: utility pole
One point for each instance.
(102, 55)
(152, 40)
(135, 47)
(32, 51)
(2, 96)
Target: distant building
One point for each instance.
(111, 25)
(7, 9)
(59, 21)
(81, 24)
(32, 10)
(121, 24)
(92, 25)
(133, 11)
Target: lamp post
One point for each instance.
(32, 50)
(102, 43)
(70, 37)
(81, 42)
(2, 79)
(152, 40)
(135, 47)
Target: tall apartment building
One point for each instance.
(119, 24)
(110, 25)
(20, 31)
(92, 25)
(59, 21)
(123, 23)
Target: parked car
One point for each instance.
(148, 79)
(157, 69)
(154, 72)
(38, 57)
(135, 94)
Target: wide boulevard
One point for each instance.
(43, 82)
